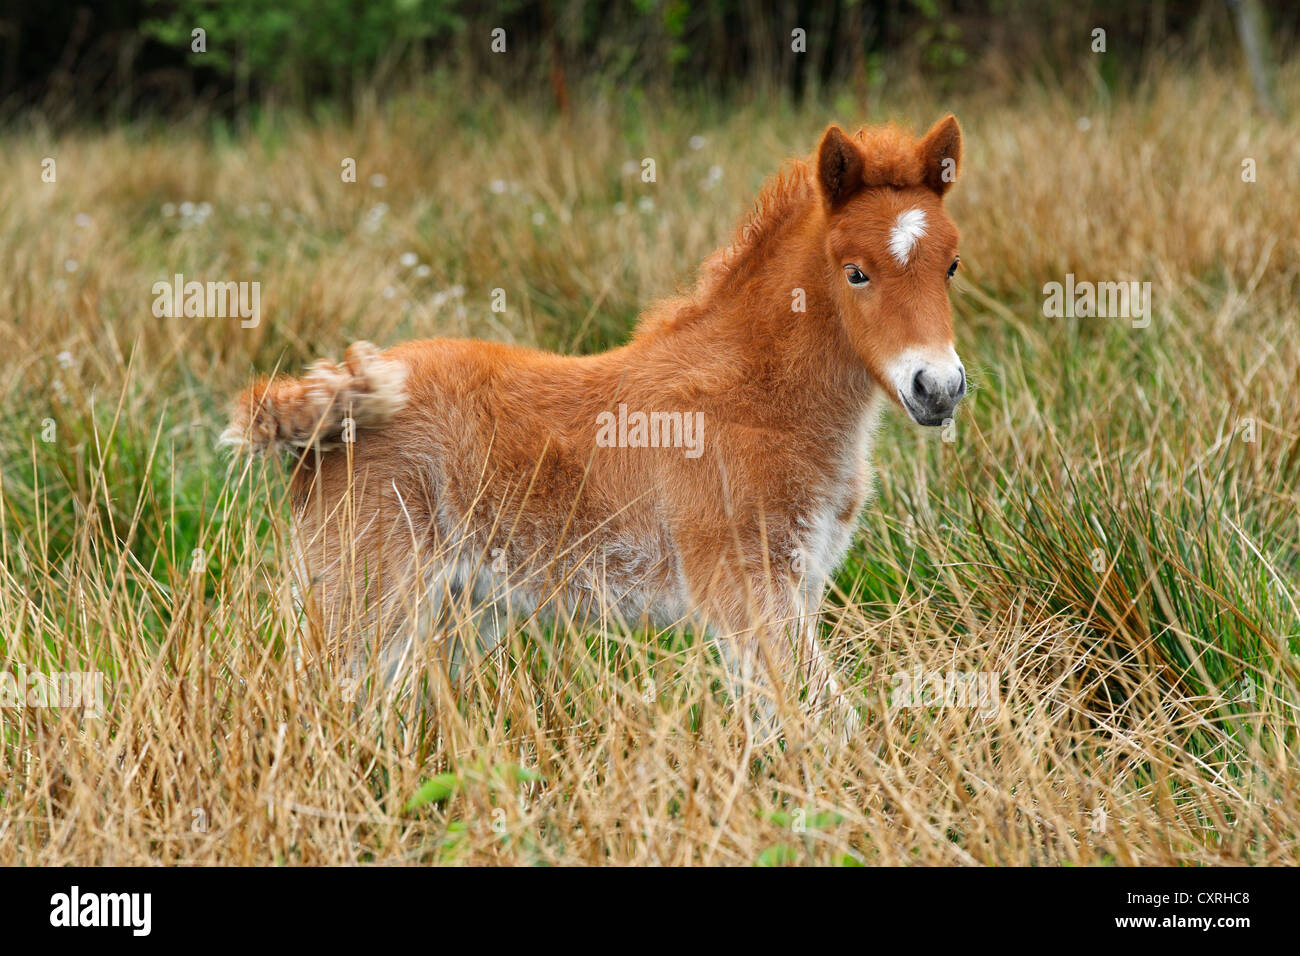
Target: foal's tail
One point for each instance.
(281, 413)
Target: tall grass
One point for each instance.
(1103, 534)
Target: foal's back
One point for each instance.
(488, 482)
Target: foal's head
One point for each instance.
(893, 251)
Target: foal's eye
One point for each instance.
(952, 269)
(855, 275)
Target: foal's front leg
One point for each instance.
(825, 696)
(766, 633)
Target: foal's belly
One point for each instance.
(615, 580)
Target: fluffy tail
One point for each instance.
(276, 414)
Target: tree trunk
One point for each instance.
(1253, 30)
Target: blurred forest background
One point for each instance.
(112, 59)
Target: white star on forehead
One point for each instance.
(908, 228)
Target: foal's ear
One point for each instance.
(940, 153)
(839, 167)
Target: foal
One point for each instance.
(711, 470)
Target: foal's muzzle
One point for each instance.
(930, 391)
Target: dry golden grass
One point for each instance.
(1101, 535)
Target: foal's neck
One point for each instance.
(759, 306)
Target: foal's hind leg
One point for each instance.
(476, 613)
(368, 559)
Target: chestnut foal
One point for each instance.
(709, 471)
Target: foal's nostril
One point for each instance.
(918, 386)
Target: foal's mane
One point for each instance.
(890, 159)
(780, 197)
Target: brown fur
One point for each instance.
(475, 469)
